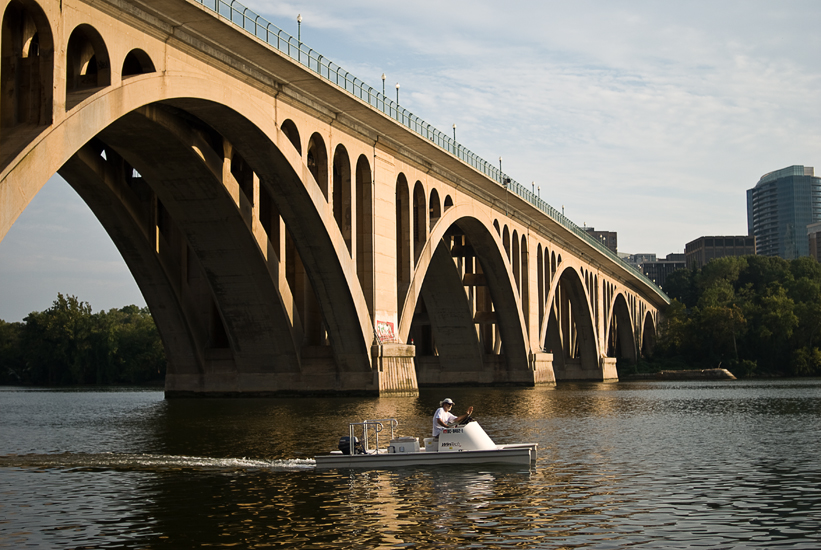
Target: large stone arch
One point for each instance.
(620, 336)
(497, 275)
(570, 331)
(280, 170)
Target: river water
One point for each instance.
(732, 464)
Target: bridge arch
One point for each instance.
(570, 331)
(28, 66)
(88, 66)
(317, 161)
(288, 181)
(435, 209)
(620, 333)
(137, 62)
(342, 193)
(648, 335)
(292, 132)
(464, 233)
(364, 230)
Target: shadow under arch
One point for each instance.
(570, 333)
(497, 275)
(621, 338)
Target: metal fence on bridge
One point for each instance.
(253, 23)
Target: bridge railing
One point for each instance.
(253, 23)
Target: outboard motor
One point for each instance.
(347, 449)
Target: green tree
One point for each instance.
(12, 364)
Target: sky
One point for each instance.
(647, 118)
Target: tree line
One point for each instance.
(754, 315)
(69, 345)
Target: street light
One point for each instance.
(454, 132)
(500, 166)
(383, 84)
(299, 36)
(397, 93)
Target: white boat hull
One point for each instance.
(504, 454)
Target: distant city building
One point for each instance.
(658, 270)
(637, 260)
(779, 209)
(700, 251)
(607, 238)
(814, 240)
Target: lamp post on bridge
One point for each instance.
(299, 36)
(383, 84)
(397, 93)
(454, 131)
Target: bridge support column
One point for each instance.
(542, 366)
(395, 370)
(608, 369)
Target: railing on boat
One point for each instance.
(367, 425)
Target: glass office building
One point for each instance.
(779, 209)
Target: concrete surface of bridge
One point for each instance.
(291, 229)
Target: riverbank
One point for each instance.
(692, 374)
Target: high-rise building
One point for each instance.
(814, 240)
(704, 249)
(779, 209)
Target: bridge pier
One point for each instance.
(394, 370)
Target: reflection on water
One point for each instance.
(650, 464)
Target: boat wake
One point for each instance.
(149, 463)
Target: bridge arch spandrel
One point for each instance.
(498, 274)
(281, 168)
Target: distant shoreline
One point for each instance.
(693, 374)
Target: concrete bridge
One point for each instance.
(292, 229)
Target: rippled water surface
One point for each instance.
(628, 465)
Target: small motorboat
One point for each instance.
(464, 444)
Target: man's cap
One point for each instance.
(446, 400)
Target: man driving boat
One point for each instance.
(443, 418)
